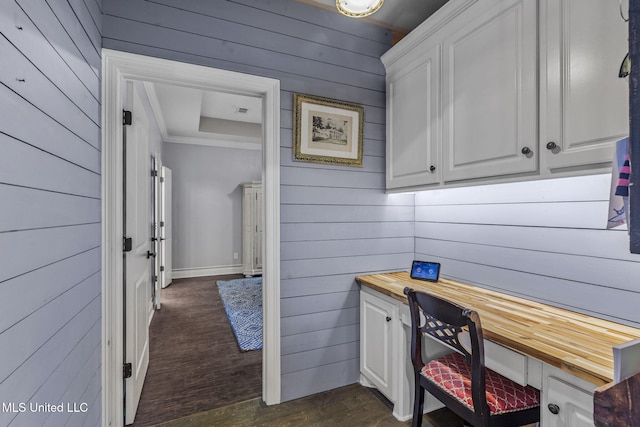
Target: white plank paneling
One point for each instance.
(294, 325)
(321, 378)
(309, 359)
(608, 273)
(24, 165)
(344, 248)
(340, 213)
(38, 367)
(317, 285)
(319, 339)
(39, 287)
(610, 244)
(586, 214)
(56, 35)
(75, 27)
(354, 265)
(300, 232)
(309, 304)
(25, 122)
(16, 347)
(26, 80)
(24, 251)
(28, 208)
(27, 38)
(341, 196)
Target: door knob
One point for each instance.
(432, 168)
(553, 408)
(388, 319)
(526, 150)
(551, 145)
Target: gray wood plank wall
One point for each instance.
(336, 221)
(543, 240)
(50, 322)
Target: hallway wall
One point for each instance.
(50, 322)
(336, 222)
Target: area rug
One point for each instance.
(242, 300)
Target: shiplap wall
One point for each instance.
(544, 240)
(50, 326)
(336, 222)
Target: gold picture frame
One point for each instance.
(327, 131)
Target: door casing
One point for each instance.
(116, 68)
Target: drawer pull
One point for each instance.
(551, 145)
(553, 408)
(432, 168)
(388, 319)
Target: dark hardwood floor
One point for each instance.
(195, 364)
(350, 406)
(198, 377)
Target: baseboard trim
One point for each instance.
(184, 273)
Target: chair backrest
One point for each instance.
(445, 321)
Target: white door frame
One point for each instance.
(116, 68)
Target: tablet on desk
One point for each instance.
(424, 270)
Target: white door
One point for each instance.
(137, 264)
(165, 227)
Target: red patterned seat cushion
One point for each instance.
(452, 374)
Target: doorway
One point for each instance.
(117, 68)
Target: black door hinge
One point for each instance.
(154, 173)
(127, 117)
(154, 278)
(162, 268)
(127, 370)
(127, 244)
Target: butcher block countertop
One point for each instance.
(574, 342)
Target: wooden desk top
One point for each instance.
(574, 342)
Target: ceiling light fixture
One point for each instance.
(358, 8)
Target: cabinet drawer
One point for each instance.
(504, 361)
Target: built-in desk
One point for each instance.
(563, 353)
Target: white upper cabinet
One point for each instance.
(478, 92)
(583, 102)
(413, 122)
(489, 91)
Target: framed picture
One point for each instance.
(327, 131)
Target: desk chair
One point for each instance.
(482, 397)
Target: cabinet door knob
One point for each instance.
(432, 168)
(553, 408)
(526, 150)
(388, 319)
(551, 145)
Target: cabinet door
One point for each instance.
(413, 122)
(376, 325)
(584, 104)
(489, 91)
(568, 406)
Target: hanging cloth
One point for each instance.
(619, 198)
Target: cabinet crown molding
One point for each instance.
(430, 26)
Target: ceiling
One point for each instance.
(401, 16)
(194, 116)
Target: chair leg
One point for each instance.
(418, 403)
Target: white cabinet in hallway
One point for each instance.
(252, 228)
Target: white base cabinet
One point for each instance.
(251, 228)
(385, 363)
(378, 319)
(567, 401)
